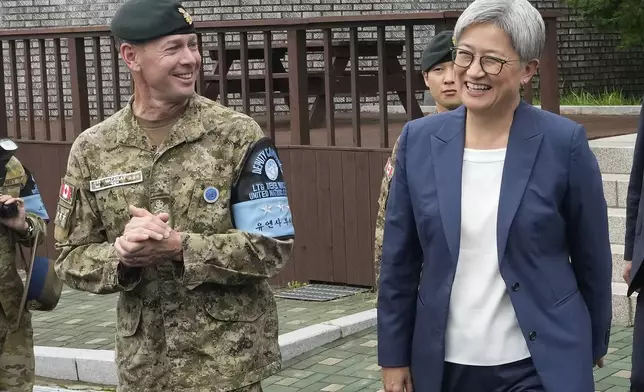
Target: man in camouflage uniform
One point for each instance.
(16, 336)
(438, 73)
(179, 205)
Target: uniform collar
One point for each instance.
(189, 127)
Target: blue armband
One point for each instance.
(259, 201)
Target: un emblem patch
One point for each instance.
(271, 169)
(211, 194)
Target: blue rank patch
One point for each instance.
(211, 194)
(259, 200)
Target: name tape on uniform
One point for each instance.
(116, 180)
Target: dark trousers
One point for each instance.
(518, 376)
(637, 364)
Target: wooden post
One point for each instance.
(298, 87)
(4, 128)
(78, 73)
(549, 73)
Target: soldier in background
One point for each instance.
(18, 192)
(438, 73)
(179, 205)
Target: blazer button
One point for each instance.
(533, 335)
(515, 287)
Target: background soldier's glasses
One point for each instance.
(491, 65)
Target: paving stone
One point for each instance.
(359, 371)
(330, 361)
(351, 364)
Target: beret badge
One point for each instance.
(186, 15)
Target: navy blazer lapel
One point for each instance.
(523, 146)
(447, 157)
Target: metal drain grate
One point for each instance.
(319, 292)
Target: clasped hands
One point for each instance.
(147, 239)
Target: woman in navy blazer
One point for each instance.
(496, 267)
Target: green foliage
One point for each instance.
(618, 16)
(294, 284)
(584, 98)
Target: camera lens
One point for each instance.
(8, 210)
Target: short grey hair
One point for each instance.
(518, 18)
(120, 41)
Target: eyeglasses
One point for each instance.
(490, 64)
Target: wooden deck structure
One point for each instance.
(333, 185)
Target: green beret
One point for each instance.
(438, 50)
(145, 20)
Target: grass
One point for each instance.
(607, 98)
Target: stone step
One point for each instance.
(614, 154)
(618, 262)
(616, 225)
(615, 189)
(623, 306)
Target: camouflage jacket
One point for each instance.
(209, 323)
(382, 204)
(18, 183)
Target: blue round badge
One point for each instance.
(210, 194)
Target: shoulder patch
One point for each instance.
(67, 193)
(259, 199)
(14, 173)
(389, 169)
(62, 216)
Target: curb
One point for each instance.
(627, 110)
(98, 366)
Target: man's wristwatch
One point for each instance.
(30, 230)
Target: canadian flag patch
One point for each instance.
(389, 169)
(66, 193)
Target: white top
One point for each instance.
(482, 328)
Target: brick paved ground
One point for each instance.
(350, 365)
(84, 320)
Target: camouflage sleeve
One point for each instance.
(35, 211)
(86, 261)
(382, 204)
(248, 252)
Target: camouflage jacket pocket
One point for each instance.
(209, 208)
(114, 212)
(245, 303)
(128, 310)
(242, 330)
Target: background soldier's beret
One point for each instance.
(437, 51)
(145, 20)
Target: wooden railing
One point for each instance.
(56, 82)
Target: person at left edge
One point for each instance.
(18, 187)
(179, 205)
